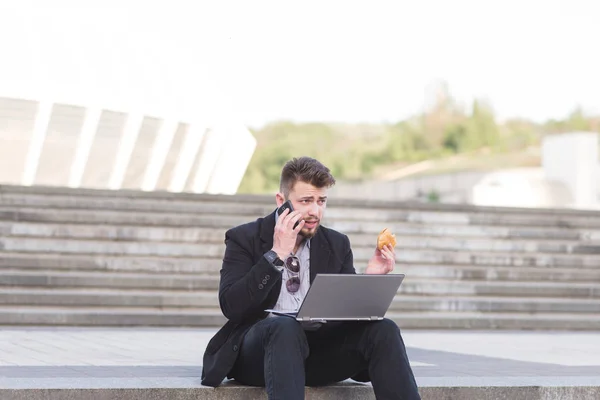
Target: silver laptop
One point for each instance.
(347, 297)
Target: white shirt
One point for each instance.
(291, 301)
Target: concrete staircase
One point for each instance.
(126, 258)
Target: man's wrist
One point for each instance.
(281, 254)
(274, 259)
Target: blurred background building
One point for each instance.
(52, 143)
(84, 105)
(568, 177)
(43, 142)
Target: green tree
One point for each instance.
(355, 152)
(455, 137)
(576, 121)
(482, 128)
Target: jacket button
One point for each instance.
(264, 281)
(260, 286)
(235, 347)
(268, 277)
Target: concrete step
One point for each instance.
(207, 205)
(372, 210)
(85, 246)
(95, 297)
(501, 288)
(210, 234)
(482, 303)
(154, 201)
(488, 258)
(49, 191)
(334, 215)
(484, 320)
(118, 225)
(84, 316)
(361, 254)
(65, 279)
(211, 266)
(496, 273)
(114, 316)
(113, 233)
(77, 262)
(489, 245)
(125, 218)
(415, 240)
(460, 231)
(359, 230)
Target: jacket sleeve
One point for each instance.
(244, 286)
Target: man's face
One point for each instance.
(311, 202)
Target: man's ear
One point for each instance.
(279, 199)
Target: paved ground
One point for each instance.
(121, 358)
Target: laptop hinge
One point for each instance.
(374, 318)
(305, 318)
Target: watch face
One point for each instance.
(272, 257)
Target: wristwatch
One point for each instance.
(274, 259)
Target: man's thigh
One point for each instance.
(249, 366)
(334, 357)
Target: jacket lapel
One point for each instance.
(319, 254)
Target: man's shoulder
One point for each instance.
(247, 228)
(250, 228)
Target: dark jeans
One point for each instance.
(280, 355)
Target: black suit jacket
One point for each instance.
(250, 284)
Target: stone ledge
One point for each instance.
(448, 388)
(329, 393)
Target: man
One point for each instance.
(269, 264)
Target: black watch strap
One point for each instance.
(273, 258)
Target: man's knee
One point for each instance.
(385, 329)
(285, 328)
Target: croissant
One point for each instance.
(386, 237)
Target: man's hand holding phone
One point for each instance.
(286, 232)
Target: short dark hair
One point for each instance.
(304, 169)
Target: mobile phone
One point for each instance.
(288, 205)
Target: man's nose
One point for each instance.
(313, 209)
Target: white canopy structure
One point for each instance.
(88, 101)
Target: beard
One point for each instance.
(309, 233)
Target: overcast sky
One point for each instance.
(259, 61)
